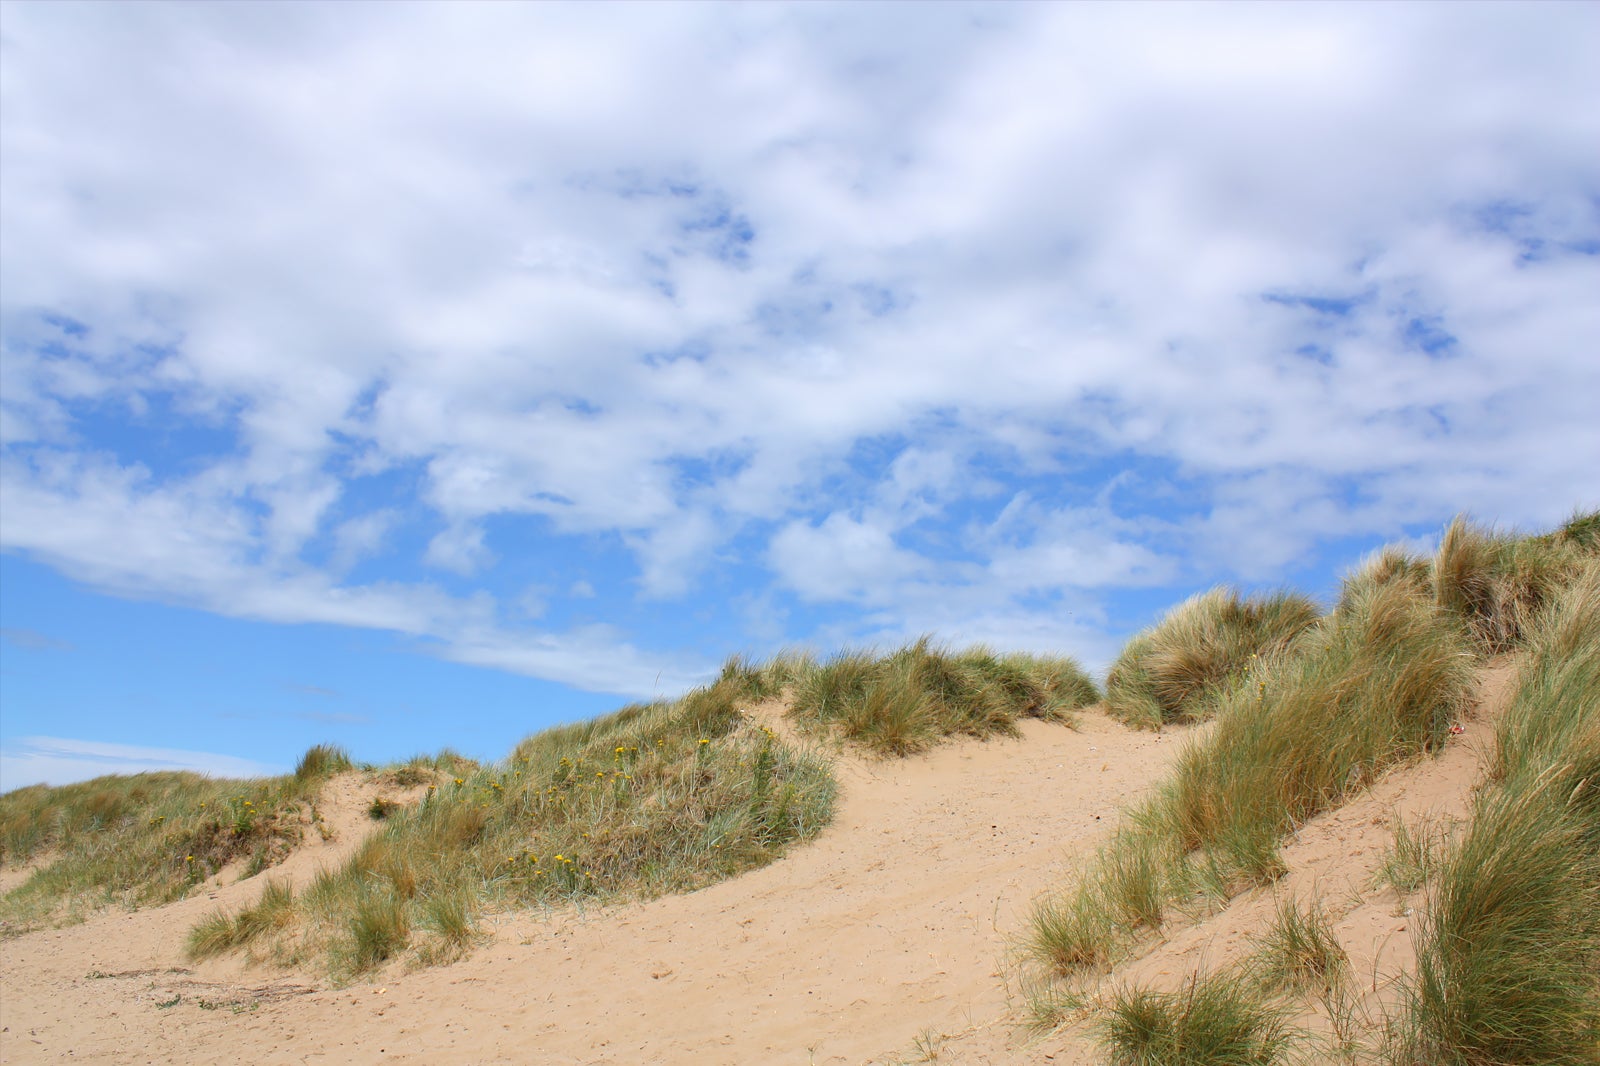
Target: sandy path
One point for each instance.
(890, 924)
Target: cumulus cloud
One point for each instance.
(1002, 309)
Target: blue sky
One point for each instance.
(420, 375)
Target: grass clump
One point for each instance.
(146, 838)
(1173, 671)
(654, 798)
(1499, 582)
(1508, 961)
(1213, 1020)
(1414, 857)
(1373, 684)
(1299, 951)
(907, 701)
(220, 932)
(323, 760)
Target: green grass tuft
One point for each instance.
(1298, 951)
(907, 701)
(1508, 959)
(1213, 1020)
(1173, 672)
(323, 760)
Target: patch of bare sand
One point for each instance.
(1334, 860)
(92, 989)
(887, 925)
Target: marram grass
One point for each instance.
(1219, 1019)
(1508, 960)
(655, 798)
(1173, 671)
(147, 838)
(912, 698)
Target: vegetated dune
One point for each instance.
(890, 923)
(883, 940)
(1298, 874)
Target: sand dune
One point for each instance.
(889, 929)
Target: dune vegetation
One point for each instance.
(1173, 671)
(1300, 724)
(1290, 711)
(149, 838)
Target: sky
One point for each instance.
(405, 376)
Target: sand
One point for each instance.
(886, 937)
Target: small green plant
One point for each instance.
(381, 807)
(1415, 855)
(1213, 1020)
(1299, 951)
(379, 929)
(1074, 931)
(323, 760)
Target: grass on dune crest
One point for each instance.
(1508, 963)
(1376, 682)
(1172, 671)
(148, 838)
(655, 798)
(1499, 582)
(908, 700)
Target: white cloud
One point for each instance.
(59, 761)
(785, 285)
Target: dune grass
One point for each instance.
(1499, 581)
(1375, 683)
(1298, 951)
(909, 700)
(655, 798)
(1508, 961)
(147, 838)
(1416, 854)
(1173, 671)
(1219, 1019)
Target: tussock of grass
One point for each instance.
(1213, 1020)
(323, 760)
(654, 798)
(1172, 672)
(1390, 565)
(146, 838)
(1374, 684)
(1414, 857)
(220, 932)
(1508, 961)
(1298, 951)
(907, 701)
(1499, 582)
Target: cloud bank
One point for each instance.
(803, 322)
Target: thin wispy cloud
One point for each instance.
(58, 760)
(628, 336)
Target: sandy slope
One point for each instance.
(849, 947)
(891, 926)
(1332, 860)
